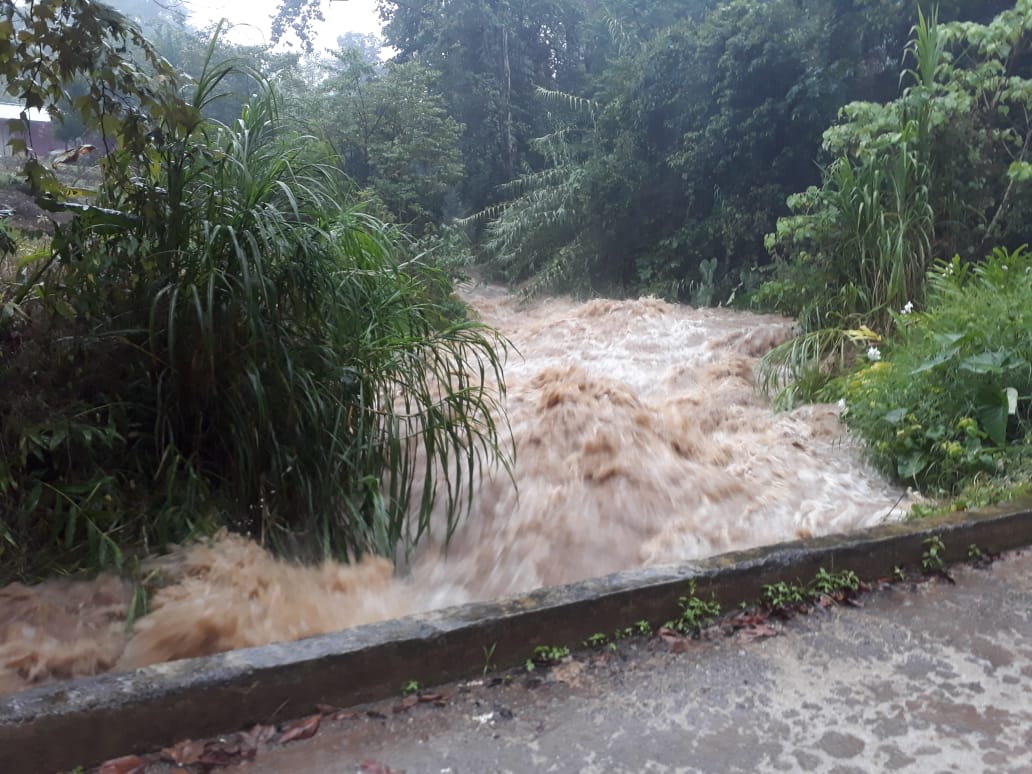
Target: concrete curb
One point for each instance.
(81, 722)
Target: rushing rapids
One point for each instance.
(640, 439)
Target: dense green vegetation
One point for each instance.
(252, 324)
(661, 167)
(933, 173)
(948, 402)
(392, 133)
(937, 174)
(221, 336)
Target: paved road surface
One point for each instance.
(927, 678)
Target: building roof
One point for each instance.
(9, 110)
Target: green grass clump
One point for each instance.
(949, 405)
(696, 613)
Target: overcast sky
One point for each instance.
(341, 16)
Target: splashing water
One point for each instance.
(640, 439)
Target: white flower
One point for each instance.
(874, 354)
(907, 308)
(1012, 400)
(842, 403)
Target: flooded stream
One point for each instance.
(640, 438)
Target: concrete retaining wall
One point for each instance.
(83, 722)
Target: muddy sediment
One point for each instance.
(640, 439)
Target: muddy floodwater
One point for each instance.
(640, 439)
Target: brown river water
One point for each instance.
(640, 439)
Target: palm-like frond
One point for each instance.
(814, 354)
(572, 101)
(536, 233)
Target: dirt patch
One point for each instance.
(26, 216)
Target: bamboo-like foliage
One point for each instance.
(300, 351)
(535, 233)
(275, 362)
(889, 229)
(882, 197)
(927, 47)
(876, 222)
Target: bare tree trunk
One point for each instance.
(510, 143)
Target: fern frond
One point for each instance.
(572, 101)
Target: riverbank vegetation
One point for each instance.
(910, 255)
(246, 318)
(221, 336)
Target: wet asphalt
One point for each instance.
(923, 677)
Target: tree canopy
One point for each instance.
(816, 157)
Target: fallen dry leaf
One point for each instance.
(185, 753)
(669, 635)
(684, 645)
(127, 764)
(226, 753)
(258, 735)
(437, 699)
(300, 729)
(678, 642)
(344, 715)
(749, 618)
(213, 752)
(759, 632)
(567, 671)
(405, 704)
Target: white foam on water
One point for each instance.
(640, 439)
